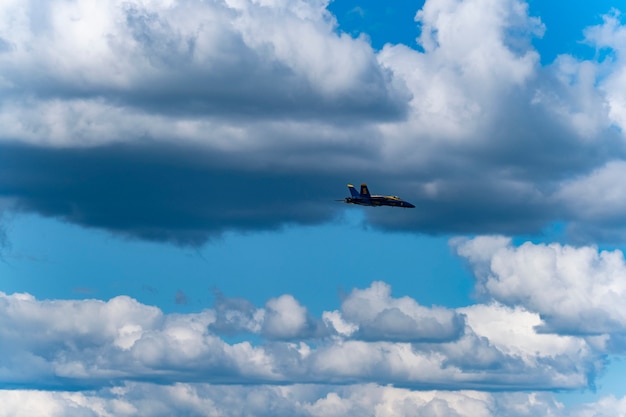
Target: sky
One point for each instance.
(171, 241)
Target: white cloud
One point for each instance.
(477, 36)
(335, 65)
(285, 318)
(372, 314)
(574, 99)
(55, 342)
(468, 68)
(513, 331)
(575, 289)
(28, 321)
(607, 406)
(203, 400)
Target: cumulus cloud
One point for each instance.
(285, 318)
(372, 314)
(178, 121)
(578, 290)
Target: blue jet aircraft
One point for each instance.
(364, 198)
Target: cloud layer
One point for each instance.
(179, 120)
(544, 324)
(200, 400)
(373, 338)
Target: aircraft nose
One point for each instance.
(408, 205)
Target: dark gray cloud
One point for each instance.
(165, 194)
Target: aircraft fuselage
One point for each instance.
(364, 198)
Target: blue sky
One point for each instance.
(171, 243)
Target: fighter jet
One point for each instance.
(364, 198)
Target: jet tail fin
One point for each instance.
(364, 191)
(353, 191)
